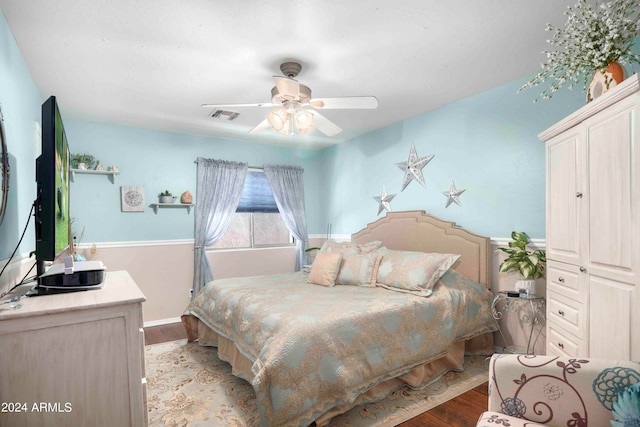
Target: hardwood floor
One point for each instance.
(463, 411)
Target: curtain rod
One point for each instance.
(249, 167)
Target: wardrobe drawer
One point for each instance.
(567, 280)
(569, 314)
(561, 343)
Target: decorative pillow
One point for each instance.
(626, 409)
(371, 246)
(359, 270)
(350, 248)
(345, 248)
(413, 272)
(325, 269)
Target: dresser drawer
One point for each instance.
(561, 343)
(569, 314)
(141, 332)
(567, 280)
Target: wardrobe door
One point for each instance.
(614, 224)
(613, 190)
(566, 193)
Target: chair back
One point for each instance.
(558, 391)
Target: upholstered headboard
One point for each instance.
(418, 231)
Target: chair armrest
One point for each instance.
(558, 391)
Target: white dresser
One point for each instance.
(75, 359)
(593, 228)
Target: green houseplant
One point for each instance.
(77, 160)
(530, 264)
(166, 197)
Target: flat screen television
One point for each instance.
(52, 222)
(52, 216)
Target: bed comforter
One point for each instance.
(315, 347)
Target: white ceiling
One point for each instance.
(152, 63)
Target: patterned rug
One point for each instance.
(187, 385)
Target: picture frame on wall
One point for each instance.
(132, 198)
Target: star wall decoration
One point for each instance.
(413, 167)
(384, 200)
(453, 195)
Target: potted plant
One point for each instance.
(593, 38)
(166, 197)
(82, 161)
(530, 264)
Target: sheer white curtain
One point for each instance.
(287, 186)
(218, 192)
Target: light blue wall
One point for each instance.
(20, 104)
(157, 161)
(486, 143)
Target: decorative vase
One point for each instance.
(186, 198)
(605, 80)
(167, 199)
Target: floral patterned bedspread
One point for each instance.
(316, 347)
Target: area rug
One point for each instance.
(187, 385)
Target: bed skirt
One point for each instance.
(418, 377)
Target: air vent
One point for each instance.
(221, 114)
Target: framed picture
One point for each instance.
(132, 198)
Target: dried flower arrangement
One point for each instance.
(593, 37)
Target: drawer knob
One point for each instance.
(582, 269)
(578, 194)
(560, 345)
(561, 279)
(561, 313)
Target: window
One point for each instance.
(257, 222)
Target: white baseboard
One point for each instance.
(162, 322)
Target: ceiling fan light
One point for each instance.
(277, 119)
(283, 122)
(304, 121)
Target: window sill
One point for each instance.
(262, 248)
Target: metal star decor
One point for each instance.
(384, 200)
(413, 167)
(452, 195)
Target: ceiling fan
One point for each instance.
(293, 109)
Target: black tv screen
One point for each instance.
(53, 229)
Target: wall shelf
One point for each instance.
(111, 174)
(156, 206)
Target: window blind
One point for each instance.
(256, 194)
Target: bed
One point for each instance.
(312, 352)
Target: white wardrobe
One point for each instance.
(593, 228)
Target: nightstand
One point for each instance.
(531, 311)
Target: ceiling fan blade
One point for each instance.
(351, 102)
(288, 88)
(263, 125)
(325, 125)
(259, 104)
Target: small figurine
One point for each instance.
(99, 166)
(113, 169)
